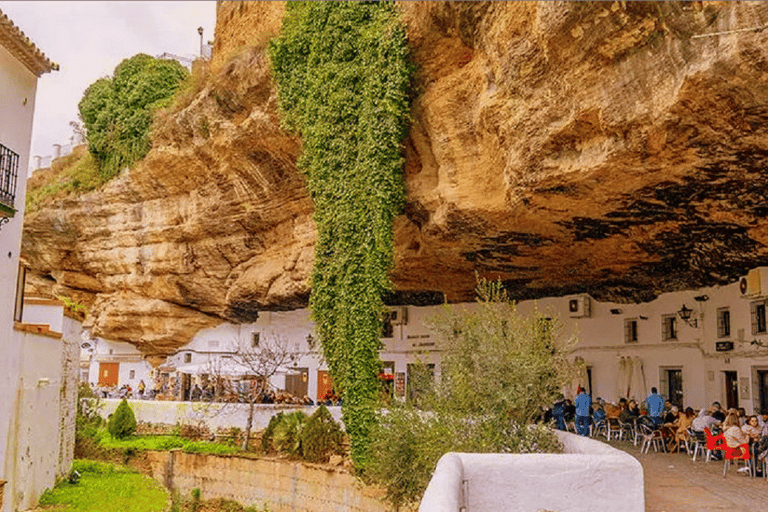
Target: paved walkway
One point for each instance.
(674, 483)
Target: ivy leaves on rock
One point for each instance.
(117, 112)
(343, 78)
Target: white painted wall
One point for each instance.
(584, 477)
(213, 415)
(49, 314)
(18, 87)
(600, 335)
(127, 355)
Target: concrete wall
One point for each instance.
(277, 484)
(588, 476)
(214, 415)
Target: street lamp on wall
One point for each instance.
(685, 315)
(200, 31)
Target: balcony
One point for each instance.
(9, 168)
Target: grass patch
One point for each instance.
(73, 174)
(159, 443)
(104, 486)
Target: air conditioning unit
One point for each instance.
(399, 316)
(579, 307)
(755, 283)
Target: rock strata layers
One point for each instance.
(616, 149)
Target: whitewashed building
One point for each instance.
(695, 346)
(32, 453)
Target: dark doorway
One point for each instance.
(731, 390)
(675, 387)
(296, 382)
(762, 381)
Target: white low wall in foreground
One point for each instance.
(213, 415)
(588, 476)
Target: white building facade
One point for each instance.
(26, 465)
(718, 353)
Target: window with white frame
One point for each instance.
(758, 317)
(630, 330)
(187, 358)
(255, 339)
(723, 323)
(668, 327)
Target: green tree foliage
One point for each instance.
(266, 437)
(287, 434)
(321, 436)
(122, 422)
(498, 369)
(117, 112)
(343, 78)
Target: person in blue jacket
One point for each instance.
(583, 405)
(655, 404)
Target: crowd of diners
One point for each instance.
(677, 426)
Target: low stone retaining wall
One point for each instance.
(279, 485)
(588, 476)
(211, 414)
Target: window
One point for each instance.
(668, 327)
(187, 358)
(758, 317)
(387, 331)
(630, 330)
(132, 374)
(9, 165)
(723, 323)
(255, 339)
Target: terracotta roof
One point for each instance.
(23, 48)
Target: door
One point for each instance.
(731, 390)
(108, 373)
(762, 381)
(675, 386)
(296, 383)
(324, 384)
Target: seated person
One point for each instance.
(734, 436)
(717, 412)
(633, 408)
(682, 424)
(752, 429)
(704, 420)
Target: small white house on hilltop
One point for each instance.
(32, 452)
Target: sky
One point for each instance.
(89, 39)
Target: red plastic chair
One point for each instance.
(713, 442)
(741, 452)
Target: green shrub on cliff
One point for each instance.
(117, 112)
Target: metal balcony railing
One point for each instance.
(9, 170)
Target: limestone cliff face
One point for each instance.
(562, 147)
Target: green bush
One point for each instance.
(321, 436)
(122, 423)
(266, 437)
(287, 434)
(497, 369)
(117, 112)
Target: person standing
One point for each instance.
(583, 405)
(655, 407)
(558, 412)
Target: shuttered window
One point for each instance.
(630, 330)
(668, 327)
(758, 317)
(723, 323)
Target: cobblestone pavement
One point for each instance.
(674, 483)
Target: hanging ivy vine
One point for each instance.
(343, 78)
